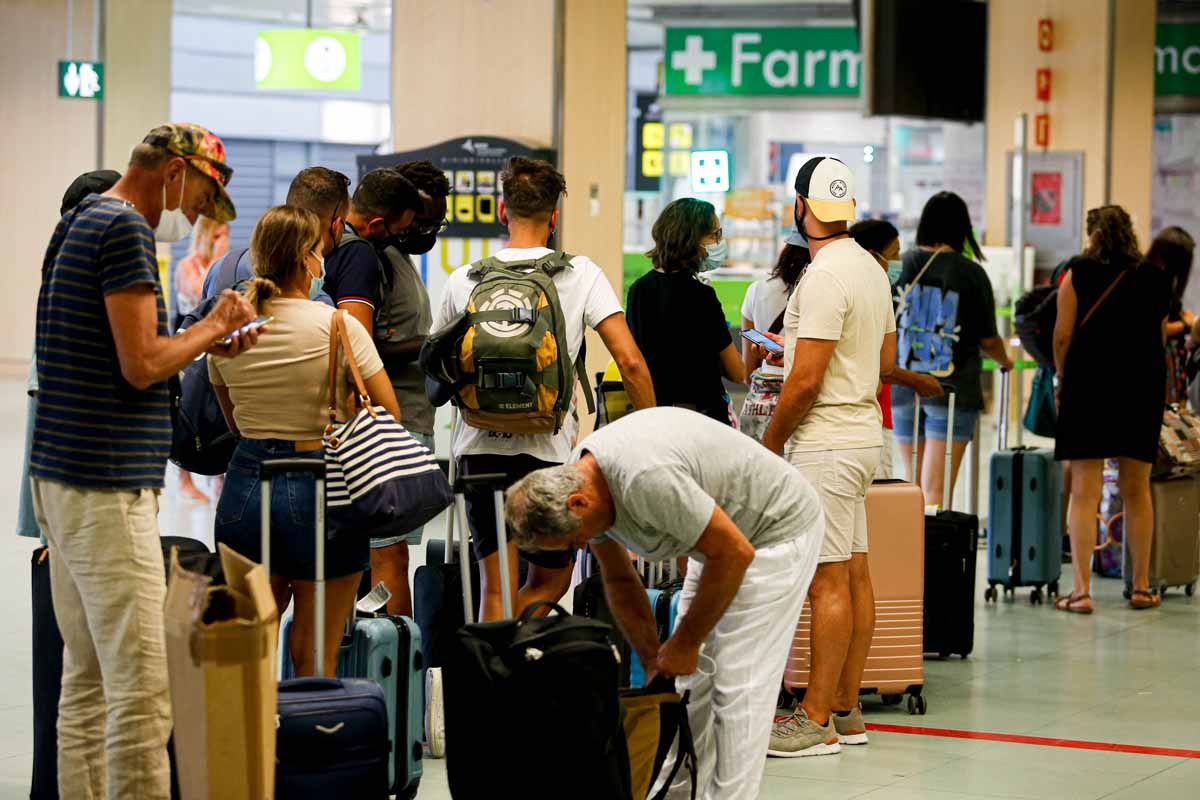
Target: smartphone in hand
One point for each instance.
(249, 326)
(757, 337)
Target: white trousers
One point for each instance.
(734, 691)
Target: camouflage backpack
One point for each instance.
(514, 359)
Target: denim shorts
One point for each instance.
(413, 537)
(293, 511)
(933, 419)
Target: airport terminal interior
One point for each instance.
(1034, 117)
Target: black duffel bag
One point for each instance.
(532, 709)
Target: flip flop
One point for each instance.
(1068, 604)
(1141, 599)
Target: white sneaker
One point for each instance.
(435, 717)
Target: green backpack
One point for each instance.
(514, 359)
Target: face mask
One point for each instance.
(173, 224)
(715, 256)
(318, 282)
(894, 268)
(416, 245)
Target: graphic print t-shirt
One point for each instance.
(942, 321)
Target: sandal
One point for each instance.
(1070, 603)
(1141, 599)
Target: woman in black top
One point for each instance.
(1171, 251)
(1108, 345)
(677, 320)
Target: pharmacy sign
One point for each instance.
(816, 61)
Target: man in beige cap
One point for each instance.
(840, 339)
(100, 441)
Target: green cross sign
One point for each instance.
(816, 61)
(82, 80)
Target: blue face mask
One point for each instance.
(715, 255)
(318, 282)
(894, 269)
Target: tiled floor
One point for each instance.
(1118, 676)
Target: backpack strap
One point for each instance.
(227, 270)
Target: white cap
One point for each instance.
(827, 185)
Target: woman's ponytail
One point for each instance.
(260, 292)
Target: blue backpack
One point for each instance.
(201, 442)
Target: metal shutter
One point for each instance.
(341, 157)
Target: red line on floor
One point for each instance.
(1042, 741)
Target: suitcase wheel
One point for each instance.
(1035, 597)
(989, 594)
(916, 704)
(1190, 589)
(891, 699)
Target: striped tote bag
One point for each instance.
(378, 477)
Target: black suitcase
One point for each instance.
(951, 547)
(541, 676)
(47, 652)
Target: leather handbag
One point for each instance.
(378, 477)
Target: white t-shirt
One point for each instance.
(842, 296)
(765, 299)
(587, 299)
(667, 468)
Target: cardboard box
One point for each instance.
(221, 654)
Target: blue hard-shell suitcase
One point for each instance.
(1024, 534)
(386, 650)
(333, 736)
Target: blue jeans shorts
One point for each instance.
(413, 537)
(293, 512)
(933, 419)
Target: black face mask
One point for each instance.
(415, 244)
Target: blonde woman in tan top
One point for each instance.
(277, 403)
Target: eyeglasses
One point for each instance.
(718, 235)
(422, 228)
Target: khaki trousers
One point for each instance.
(106, 575)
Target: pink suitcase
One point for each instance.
(895, 663)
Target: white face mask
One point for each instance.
(173, 224)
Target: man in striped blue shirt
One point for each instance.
(100, 442)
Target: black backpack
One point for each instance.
(1034, 316)
(201, 442)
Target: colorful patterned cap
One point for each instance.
(204, 151)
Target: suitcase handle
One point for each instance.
(315, 467)
(496, 480)
(1003, 427)
(283, 466)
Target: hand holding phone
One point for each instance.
(249, 326)
(762, 340)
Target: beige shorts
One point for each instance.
(841, 478)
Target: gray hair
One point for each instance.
(536, 508)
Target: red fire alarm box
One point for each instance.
(1043, 85)
(1045, 35)
(1041, 130)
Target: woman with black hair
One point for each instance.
(1108, 342)
(766, 299)
(677, 320)
(946, 323)
(1171, 251)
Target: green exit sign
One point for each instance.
(82, 80)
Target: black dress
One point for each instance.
(1114, 381)
(680, 327)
